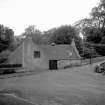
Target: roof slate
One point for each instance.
(58, 52)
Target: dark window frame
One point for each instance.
(36, 54)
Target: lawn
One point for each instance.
(76, 86)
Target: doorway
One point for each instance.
(53, 64)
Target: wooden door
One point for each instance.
(53, 64)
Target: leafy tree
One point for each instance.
(4, 56)
(98, 17)
(17, 41)
(93, 28)
(29, 31)
(81, 24)
(47, 35)
(98, 14)
(62, 35)
(6, 37)
(6, 42)
(34, 33)
(92, 34)
(37, 37)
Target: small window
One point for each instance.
(36, 54)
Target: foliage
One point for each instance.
(47, 35)
(6, 37)
(34, 33)
(29, 31)
(92, 34)
(93, 28)
(98, 14)
(62, 35)
(4, 55)
(6, 41)
(17, 41)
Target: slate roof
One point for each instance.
(58, 52)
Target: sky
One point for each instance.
(44, 14)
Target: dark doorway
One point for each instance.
(53, 64)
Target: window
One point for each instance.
(36, 54)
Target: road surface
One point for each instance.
(76, 86)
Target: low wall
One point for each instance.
(68, 63)
(93, 60)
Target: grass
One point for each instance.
(76, 86)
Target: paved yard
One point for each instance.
(76, 86)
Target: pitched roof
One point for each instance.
(16, 56)
(59, 52)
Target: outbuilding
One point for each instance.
(42, 57)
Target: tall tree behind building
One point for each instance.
(62, 35)
(34, 33)
(6, 37)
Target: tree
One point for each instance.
(34, 33)
(63, 35)
(6, 42)
(6, 37)
(98, 14)
(29, 31)
(93, 28)
(92, 34)
(47, 35)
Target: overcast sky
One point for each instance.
(44, 14)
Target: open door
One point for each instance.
(53, 64)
